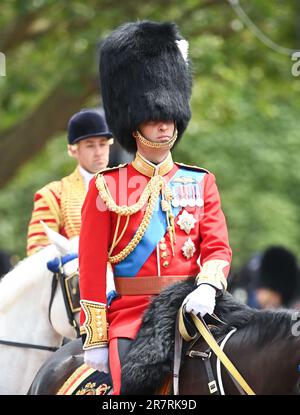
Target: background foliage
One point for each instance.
(245, 125)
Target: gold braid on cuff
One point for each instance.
(95, 325)
(212, 273)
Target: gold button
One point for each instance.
(164, 254)
(166, 263)
(163, 247)
(163, 240)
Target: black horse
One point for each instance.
(265, 349)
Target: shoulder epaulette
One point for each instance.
(109, 169)
(187, 166)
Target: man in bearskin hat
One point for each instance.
(59, 203)
(151, 219)
(269, 279)
(277, 280)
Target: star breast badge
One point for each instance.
(188, 248)
(186, 222)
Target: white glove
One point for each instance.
(97, 358)
(202, 300)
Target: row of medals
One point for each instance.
(186, 195)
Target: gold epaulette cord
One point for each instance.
(150, 196)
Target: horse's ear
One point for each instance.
(62, 244)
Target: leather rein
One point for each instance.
(185, 329)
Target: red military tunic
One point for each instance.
(206, 232)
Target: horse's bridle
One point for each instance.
(70, 293)
(69, 287)
(190, 328)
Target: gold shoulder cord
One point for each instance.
(150, 194)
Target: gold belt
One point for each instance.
(147, 285)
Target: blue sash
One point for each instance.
(156, 230)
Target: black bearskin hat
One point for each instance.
(144, 76)
(279, 272)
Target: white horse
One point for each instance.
(25, 294)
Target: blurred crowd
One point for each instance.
(269, 279)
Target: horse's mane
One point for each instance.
(25, 274)
(260, 326)
(150, 356)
